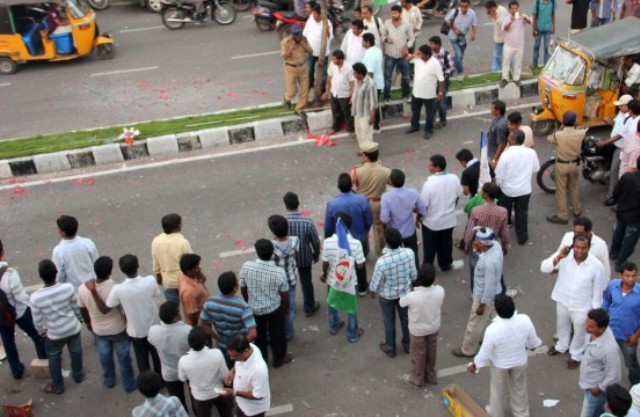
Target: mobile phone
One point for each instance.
(568, 249)
(220, 391)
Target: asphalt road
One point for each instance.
(158, 73)
(225, 198)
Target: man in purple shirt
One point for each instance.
(513, 25)
(398, 206)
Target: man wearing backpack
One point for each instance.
(14, 309)
(448, 69)
(543, 25)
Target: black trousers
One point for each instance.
(520, 205)
(376, 120)
(143, 349)
(412, 243)
(361, 274)
(341, 111)
(271, 324)
(222, 404)
(440, 243)
(240, 413)
(176, 389)
(306, 282)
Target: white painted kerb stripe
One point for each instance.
(255, 55)
(281, 409)
(5, 84)
(141, 29)
(100, 74)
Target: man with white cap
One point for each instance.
(568, 141)
(486, 286)
(618, 131)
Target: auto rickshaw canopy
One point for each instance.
(616, 39)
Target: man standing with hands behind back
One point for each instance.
(294, 49)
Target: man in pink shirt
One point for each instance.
(630, 152)
(513, 25)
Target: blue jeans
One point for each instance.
(388, 308)
(171, 294)
(288, 328)
(8, 335)
(600, 21)
(592, 406)
(352, 324)
(121, 344)
(496, 65)
(403, 67)
(430, 110)
(623, 242)
(545, 37)
(458, 56)
(54, 354)
(630, 355)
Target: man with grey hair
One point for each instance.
(486, 286)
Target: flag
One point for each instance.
(485, 175)
(342, 280)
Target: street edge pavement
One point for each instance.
(315, 121)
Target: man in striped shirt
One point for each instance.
(225, 315)
(392, 277)
(56, 317)
(264, 286)
(308, 252)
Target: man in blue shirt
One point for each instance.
(398, 206)
(544, 25)
(622, 302)
(602, 11)
(358, 208)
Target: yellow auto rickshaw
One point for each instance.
(583, 75)
(26, 35)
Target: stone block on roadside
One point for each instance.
(242, 134)
(81, 159)
(293, 125)
(39, 368)
(530, 89)
(267, 129)
(136, 150)
(51, 162)
(486, 96)
(318, 121)
(210, 138)
(162, 145)
(510, 92)
(462, 100)
(22, 167)
(107, 154)
(5, 170)
(188, 141)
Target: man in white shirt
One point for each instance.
(205, 369)
(340, 86)
(428, 88)
(504, 349)
(516, 166)
(170, 338)
(440, 193)
(137, 295)
(373, 25)
(497, 12)
(598, 247)
(74, 255)
(313, 32)
(412, 15)
(578, 289)
(631, 77)
(249, 377)
(352, 43)
(373, 60)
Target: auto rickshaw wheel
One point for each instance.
(106, 51)
(7, 65)
(543, 127)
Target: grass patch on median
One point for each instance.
(56, 142)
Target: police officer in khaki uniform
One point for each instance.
(294, 49)
(568, 141)
(371, 179)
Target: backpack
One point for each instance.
(7, 311)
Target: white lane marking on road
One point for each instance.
(459, 369)
(236, 252)
(281, 409)
(127, 71)
(195, 158)
(255, 55)
(248, 17)
(5, 84)
(141, 29)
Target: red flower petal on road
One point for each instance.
(305, 212)
(18, 191)
(90, 181)
(239, 242)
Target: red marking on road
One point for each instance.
(410, 150)
(232, 94)
(239, 242)
(18, 192)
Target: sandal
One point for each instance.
(48, 389)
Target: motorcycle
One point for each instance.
(175, 13)
(242, 5)
(264, 17)
(98, 4)
(428, 9)
(595, 166)
(340, 20)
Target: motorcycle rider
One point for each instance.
(568, 141)
(198, 13)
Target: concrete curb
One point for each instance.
(316, 121)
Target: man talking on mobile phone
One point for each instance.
(579, 288)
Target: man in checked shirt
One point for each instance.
(392, 277)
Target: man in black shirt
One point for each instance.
(498, 132)
(627, 228)
(471, 174)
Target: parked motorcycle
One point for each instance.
(175, 13)
(595, 166)
(340, 20)
(242, 5)
(264, 17)
(428, 10)
(98, 4)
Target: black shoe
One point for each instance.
(557, 220)
(315, 308)
(287, 104)
(503, 83)
(427, 135)
(522, 241)
(609, 202)
(411, 130)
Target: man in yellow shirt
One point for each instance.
(166, 250)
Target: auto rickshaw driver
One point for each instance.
(57, 21)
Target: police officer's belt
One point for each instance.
(575, 161)
(294, 65)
